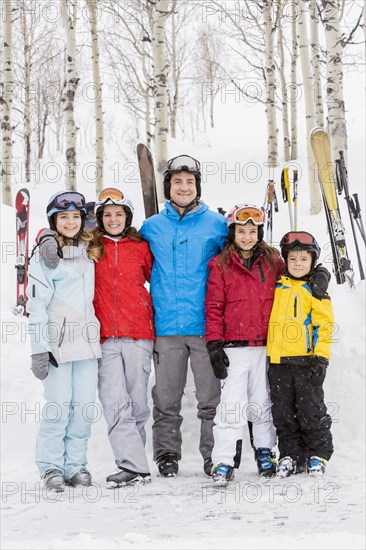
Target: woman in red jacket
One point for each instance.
(238, 305)
(123, 306)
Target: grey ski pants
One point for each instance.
(171, 354)
(123, 380)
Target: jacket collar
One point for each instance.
(237, 259)
(109, 241)
(171, 212)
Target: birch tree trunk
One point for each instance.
(284, 96)
(26, 87)
(272, 131)
(160, 14)
(7, 101)
(99, 127)
(293, 88)
(315, 63)
(175, 74)
(315, 196)
(335, 99)
(70, 86)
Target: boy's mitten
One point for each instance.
(319, 281)
(219, 359)
(317, 370)
(40, 362)
(49, 249)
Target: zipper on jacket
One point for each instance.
(263, 279)
(307, 338)
(86, 318)
(62, 336)
(115, 289)
(148, 310)
(295, 307)
(38, 281)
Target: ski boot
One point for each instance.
(54, 481)
(82, 477)
(286, 467)
(266, 462)
(124, 477)
(167, 464)
(316, 466)
(222, 474)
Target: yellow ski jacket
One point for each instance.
(300, 325)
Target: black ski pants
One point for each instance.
(299, 414)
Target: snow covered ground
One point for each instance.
(187, 512)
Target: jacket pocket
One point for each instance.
(147, 305)
(145, 344)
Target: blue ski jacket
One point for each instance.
(182, 249)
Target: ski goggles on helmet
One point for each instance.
(64, 200)
(183, 163)
(243, 214)
(299, 239)
(110, 194)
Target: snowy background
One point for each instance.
(187, 512)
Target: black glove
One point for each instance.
(40, 362)
(219, 359)
(319, 281)
(49, 249)
(317, 370)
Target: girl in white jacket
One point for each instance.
(65, 345)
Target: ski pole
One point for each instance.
(353, 204)
(358, 218)
(267, 207)
(286, 194)
(354, 210)
(295, 182)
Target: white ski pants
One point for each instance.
(244, 396)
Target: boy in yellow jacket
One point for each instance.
(298, 349)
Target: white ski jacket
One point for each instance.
(60, 307)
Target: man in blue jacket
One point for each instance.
(183, 238)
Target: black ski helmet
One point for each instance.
(63, 201)
(299, 240)
(182, 163)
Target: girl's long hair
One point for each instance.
(83, 237)
(270, 254)
(96, 248)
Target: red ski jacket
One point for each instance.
(121, 301)
(239, 300)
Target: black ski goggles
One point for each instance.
(183, 163)
(64, 200)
